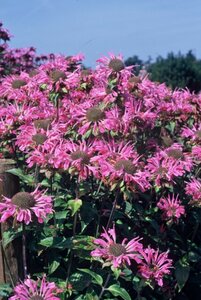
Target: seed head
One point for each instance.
(42, 124)
(39, 138)
(126, 165)
(134, 80)
(116, 65)
(57, 74)
(18, 83)
(198, 134)
(36, 298)
(175, 153)
(23, 200)
(161, 171)
(33, 73)
(81, 155)
(94, 114)
(167, 141)
(117, 249)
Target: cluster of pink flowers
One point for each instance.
(152, 265)
(105, 125)
(90, 122)
(95, 123)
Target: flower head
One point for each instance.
(171, 207)
(120, 162)
(117, 254)
(193, 189)
(164, 169)
(24, 206)
(155, 265)
(36, 290)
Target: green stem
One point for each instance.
(71, 252)
(104, 286)
(195, 231)
(24, 255)
(112, 211)
(36, 175)
(57, 106)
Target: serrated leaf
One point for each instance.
(116, 290)
(98, 279)
(74, 205)
(181, 273)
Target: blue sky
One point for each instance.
(96, 27)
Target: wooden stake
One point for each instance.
(9, 265)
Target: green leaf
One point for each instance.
(193, 256)
(116, 272)
(54, 265)
(98, 279)
(88, 213)
(74, 205)
(56, 242)
(80, 281)
(5, 290)
(83, 242)
(43, 86)
(181, 273)
(59, 215)
(10, 235)
(91, 295)
(28, 179)
(116, 290)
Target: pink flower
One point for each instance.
(193, 133)
(117, 254)
(196, 154)
(23, 207)
(154, 265)
(112, 64)
(36, 290)
(14, 87)
(171, 207)
(78, 159)
(120, 162)
(92, 118)
(164, 169)
(176, 154)
(193, 189)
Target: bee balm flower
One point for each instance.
(154, 265)
(36, 290)
(23, 206)
(171, 207)
(115, 253)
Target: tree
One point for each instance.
(136, 62)
(177, 71)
